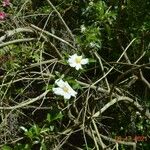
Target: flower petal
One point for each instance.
(72, 64)
(71, 60)
(77, 61)
(74, 56)
(78, 66)
(67, 96)
(60, 82)
(73, 93)
(58, 91)
(70, 90)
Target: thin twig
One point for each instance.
(98, 135)
(113, 66)
(140, 58)
(12, 32)
(25, 103)
(17, 41)
(57, 51)
(59, 15)
(94, 138)
(122, 98)
(52, 35)
(102, 68)
(144, 80)
(125, 73)
(120, 142)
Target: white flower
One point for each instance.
(83, 28)
(64, 89)
(77, 61)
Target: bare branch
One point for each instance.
(122, 98)
(144, 80)
(17, 41)
(15, 31)
(59, 15)
(52, 35)
(25, 103)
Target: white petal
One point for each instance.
(70, 90)
(60, 82)
(74, 56)
(84, 61)
(72, 64)
(67, 96)
(71, 60)
(78, 66)
(73, 93)
(67, 85)
(58, 91)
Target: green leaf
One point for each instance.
(51, 128)
(44, 130)
(51, 117)
(6, 148)
(59, 116)
(48, 118)
(36, 129)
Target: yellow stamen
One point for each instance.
(78, 59)
(65, 89)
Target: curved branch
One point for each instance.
(12, 32)
(52, 35)
(25, 103)
(122, 98)
(17, 41)
(59, 15)
(144, 80)
(125, 73)
(118, 141)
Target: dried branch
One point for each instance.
(59, 15)
(102, 68)
(116, 61)
(15, 31)
(125, 73)
(125, 99)
(25, 103)
(120, 142)
(52, 35)
(144, 80)
(17, 41)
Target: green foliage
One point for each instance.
(55, 116)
